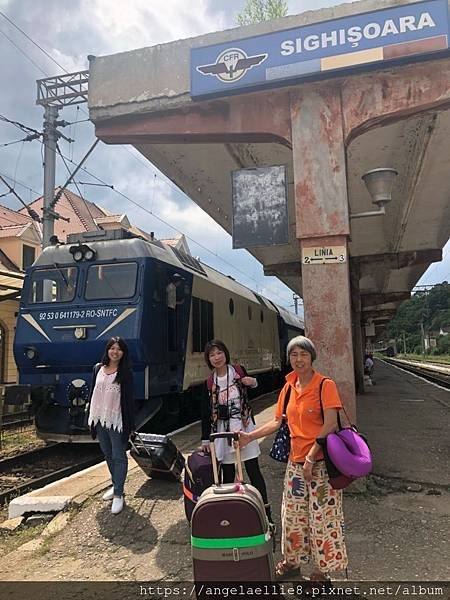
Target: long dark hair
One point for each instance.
(220, 346)
(124, 366)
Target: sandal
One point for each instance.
(283, 570)
(319, 577)
(317, 581)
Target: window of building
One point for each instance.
(53, 285)
(202, 323)
(249, 313)
(106, 282)
(231, 306)
(28, 256)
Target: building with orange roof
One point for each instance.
(20, 244)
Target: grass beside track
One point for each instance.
(442, 359)
(13, 442)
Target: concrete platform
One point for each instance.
(77, 487)
(59, 494)
(396, 526)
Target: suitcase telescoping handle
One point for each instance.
(229, 435)
(136, 435)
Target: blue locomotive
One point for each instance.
(166, 305)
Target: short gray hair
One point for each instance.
(304, 343)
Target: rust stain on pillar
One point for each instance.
(320, 179)
(322, 220)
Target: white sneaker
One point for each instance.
(117, 505)
(109, 495)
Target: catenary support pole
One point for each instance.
(50, 138)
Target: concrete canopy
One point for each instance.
(395, 117)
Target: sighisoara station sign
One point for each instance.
(401, 33)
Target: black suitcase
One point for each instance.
(157, 456)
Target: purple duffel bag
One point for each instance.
(349, 452)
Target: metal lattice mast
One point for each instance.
(54, 93)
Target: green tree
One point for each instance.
(432, 309)
(256, 11)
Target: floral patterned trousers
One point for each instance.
(312, 520)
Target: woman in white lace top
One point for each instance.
(111, 414)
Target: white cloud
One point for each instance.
(142, 23)
(69, 31)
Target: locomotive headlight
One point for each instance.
(30, 353)
(82, 252)
(80, 333)
(89, 254)
(77, 255)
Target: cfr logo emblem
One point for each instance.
(231, 65)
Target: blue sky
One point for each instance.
(68, 32)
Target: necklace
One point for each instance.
(107, 371)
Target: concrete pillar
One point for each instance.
(322, 220)
(358, 347)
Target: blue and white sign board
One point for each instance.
(284, 57)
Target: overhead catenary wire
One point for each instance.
(24, 53)
(20, 125)
(27, 187)
(13, 223)
(178, 190)
(134, 156)
(158, 218)
(50, 57)
(29, 138)
(31, 40)
(33, 214)
(75, 183)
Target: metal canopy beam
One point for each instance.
(374, 299)
(397, 260)
(284, 269)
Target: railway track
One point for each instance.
(32, 470)
(16, 421)
(433, 374)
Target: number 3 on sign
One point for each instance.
(341, 258)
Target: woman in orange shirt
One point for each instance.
(311, 511)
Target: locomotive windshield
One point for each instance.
(53, 285)
(111, 281)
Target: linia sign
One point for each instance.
(403, 33)
(323, 255)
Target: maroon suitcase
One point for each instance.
(230, 536)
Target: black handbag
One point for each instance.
(281, 446)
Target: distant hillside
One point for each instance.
(427, 314)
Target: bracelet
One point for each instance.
(308, 460)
